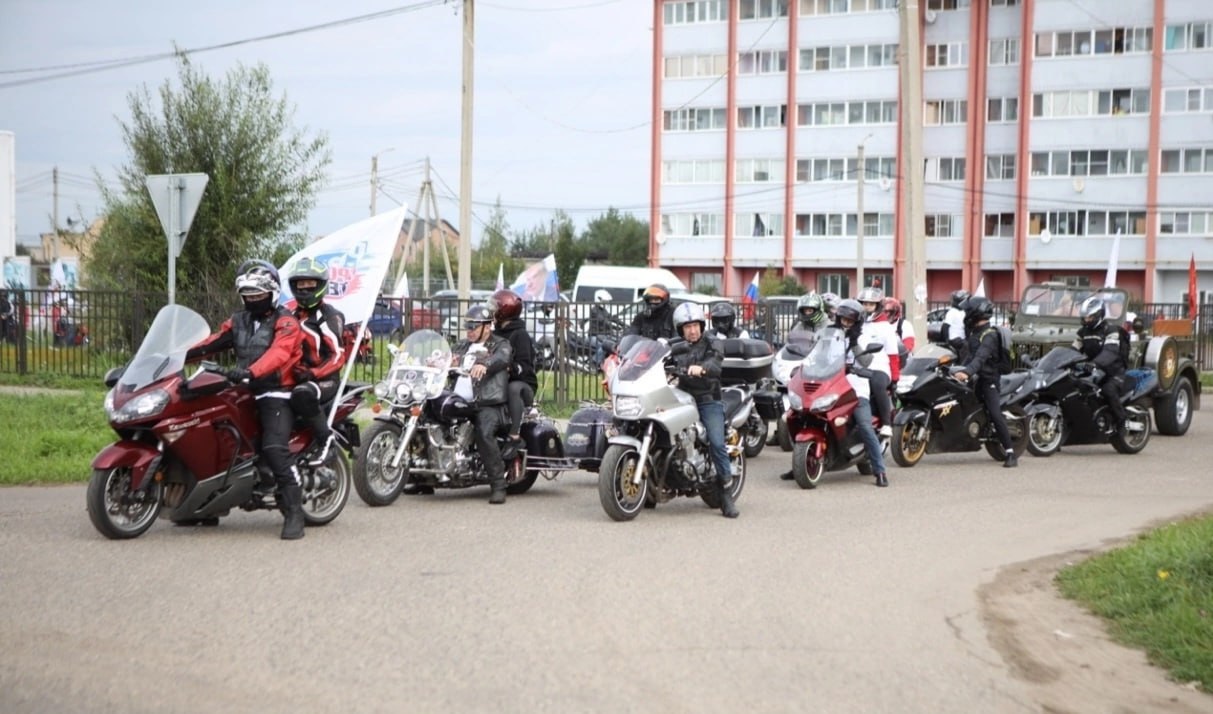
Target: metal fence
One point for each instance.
(85, 333)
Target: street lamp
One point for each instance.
(375, 175)
(860, 171)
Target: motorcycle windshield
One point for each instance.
(640, 358)
(1059, 358)
(827, 357)
(162, 353)
(423, 360)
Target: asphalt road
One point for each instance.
(848, 598)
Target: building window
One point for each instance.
(942, 225)
(836, 283)
(1187, 100)
(1185, 222)
(1003, 3)
(819, 225)
(841, 113)
(1002, 109)
(1192, 36)
(945, 111)
(768, 117)
(1000, 167)
(946, 169)
(707, 283)
(758, 224)
(762, 62)
(692, 224)
(1083, 102)
(949, 54)
(708, 171)
(1088, 162)
(683, 12)
(1194, 160)
(1004, 51)
(1119, 40)
(947, 4)
(760, 9)
(825, 59)
(693, 119)
(1000, 225)
(688, 66)
(759, 170)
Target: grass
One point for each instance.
(1157, 595)
(51, 438)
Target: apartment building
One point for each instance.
(1055, 133)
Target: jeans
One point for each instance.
(276, 420)
(519, 395)
(712, 416)
(987, 390)
(863, 422)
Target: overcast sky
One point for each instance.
(562, 93)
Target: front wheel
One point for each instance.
(806, 467)
(1017, 428)
(782, 435)
(116, 511)
(1131, 442)
(755, 431)
(621, 495)
(909, 442)
(1045, 433)
(377, 483)
(325, 493)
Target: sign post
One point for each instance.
(176, 198)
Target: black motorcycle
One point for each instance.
(939, 413)
(1063, 405)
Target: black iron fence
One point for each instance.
(85, 333)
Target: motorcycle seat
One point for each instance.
(733, 398)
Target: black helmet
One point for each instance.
(959, 296)
(723, 317)
(476, 316)
(850, 310)
(977, 308)
(1093, 311)
(309, 269)
(656, 296)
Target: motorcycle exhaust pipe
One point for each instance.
(404, 442)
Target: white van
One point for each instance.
(625, 284)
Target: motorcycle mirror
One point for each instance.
(113, 375)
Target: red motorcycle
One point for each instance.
(822, 413)
(187, 443)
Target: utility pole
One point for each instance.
(55, 214)
(465, 157)
(914, 283)
(375, 176)
(860, 171)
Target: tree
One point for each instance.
(569, 255)
(617, 238)
(264, 174)
(772, 283)
(493, 254)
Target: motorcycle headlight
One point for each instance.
(402, 392)
(108, 404)
(627, 406)
(905, 384)
(141, 407)
(794, 402)
(381, 390)
(420, 392)
(823, 403)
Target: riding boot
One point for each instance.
(497, 496)
(291, 496)
(727, 508)
(882, 480)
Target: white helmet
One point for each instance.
(601, 295)
(689, 312)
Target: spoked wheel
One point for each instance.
(116, 511)
(326, 489)
(518, 479)
(755, 435)
(377, 483)
(621, 498)
(1017, 427)
(806, 467)
(909, 443)
(1045, 433)
(1128, 441)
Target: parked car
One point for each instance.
(388, 318)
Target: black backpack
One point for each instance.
(1005, 362)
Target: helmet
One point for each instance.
(688, 312)
(811, 309)
(309, 269)
(601, 295)
(476, 316)
(504, 305)
(874, 297)
(892, 308)
(959, 296)
(1093, 311)
(850, 310)
(830, 300)
(655, 297)
(977, 308)
(259, 280)
(723, 316)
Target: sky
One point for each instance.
(562, 98)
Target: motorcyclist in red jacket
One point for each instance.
(318, 373)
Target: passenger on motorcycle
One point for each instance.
(724, 323)
(701, 364)
(1100, 342)
(266, 339)
(886, 365)
(506, 308)
(984, 349)
(831, 302)
(850, 317)
(952, 332)
(656, 318)
(602, 324)
(318, 374)
(901, 326)
(490, 377)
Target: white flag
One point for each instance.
(1109, 280)
(501, 276)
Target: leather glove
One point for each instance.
(303, 374)
(239, 374)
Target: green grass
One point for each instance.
(1206, 379)
(51, 438)
(1157, 595)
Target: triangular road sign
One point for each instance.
(176, 198)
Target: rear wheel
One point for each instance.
(1174, 412)
(1017, 428)
(1045, 433)
(116, 511)
(1131, 442)
(517, 479)
(782, 435)
(755, 431)
(377, 483)
(807, 469)
(909, 443)
(621, 497)
(326, 492)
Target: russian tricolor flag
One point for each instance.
(750, 298)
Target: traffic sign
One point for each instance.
(176, 198)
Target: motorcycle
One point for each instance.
(939, 413)
(425, 438)
(774, 391)
(821, 413)
(187, 444)
(1062, 404)
(745, 365)
(660, 448)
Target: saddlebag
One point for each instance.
(586, 437)
(745, 360)
(769, 404)
(542, 439)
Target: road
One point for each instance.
(848, 598)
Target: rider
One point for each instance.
(886, 367)
(831, 302)
(810, 309)
(656, 319)
(490, 377)
(1100, 341)
(952, 332)
(903, 327)
(701, 364)
(602, 324)
(850, 317)
(983, 350)
(318, 373)
(724, 323)
(266, 339)
(506, 307)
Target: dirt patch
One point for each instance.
(1064, 653)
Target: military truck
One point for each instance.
(1048, 317)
